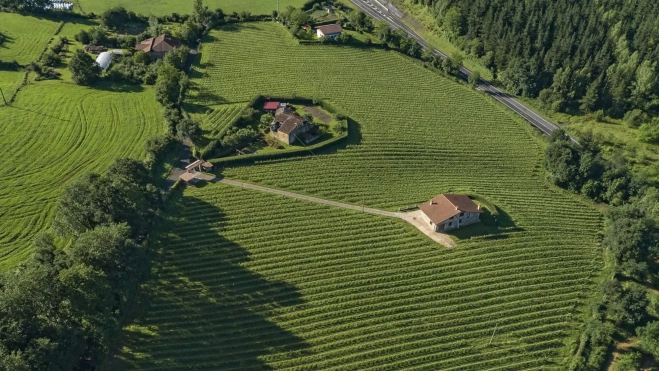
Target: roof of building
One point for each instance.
(288, 119)
(104, 60)
(193, 165)
(186, 177)
(162, 43)
(445, 206)
(206, 164)
(270, 105)
(330, 29)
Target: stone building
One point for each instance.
(447, 211)
(288, 127)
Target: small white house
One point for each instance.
(330, 31)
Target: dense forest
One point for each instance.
(575, 55)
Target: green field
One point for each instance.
(165, 7)
(245, 280)
(54, 132)
(26, 38)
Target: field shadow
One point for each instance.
(14, 106)
(202, 304)
(118, 87)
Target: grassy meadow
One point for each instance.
(165, 7)
(25, 37)
(244, 280)
(54, 132)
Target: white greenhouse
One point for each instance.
(104, 59)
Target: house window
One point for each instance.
(462, 214)
(450, 224)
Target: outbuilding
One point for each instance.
(449, 211)
(270, 106)
(330, 31)
(207, 166)
(189, 178)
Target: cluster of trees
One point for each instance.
(35, 6)
(397, 39)
(50, 58)
(631, 239)
(583, 55)
(582, 169)
(63, 308)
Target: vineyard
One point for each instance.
(219, 118)
(54, 132)
(244, 280)
(248, 280)
(25, 37)
(166, 7)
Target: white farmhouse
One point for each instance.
(446, 212)
(330, 31)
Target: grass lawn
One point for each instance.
(54, 132)
(25, 37)
(164, 7)
(244, 280)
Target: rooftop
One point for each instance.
(186, 177)
(194, 165)
(288, 119)
(445, 206)
(330, 29)
(270, 106)
(162, 43)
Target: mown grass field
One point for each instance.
(26, 37)
(244, 280)
(165, 7)
(54, 132)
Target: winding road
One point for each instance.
(379, 11)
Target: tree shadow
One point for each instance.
(118, 87)
(202, 308)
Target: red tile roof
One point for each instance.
(271, 106)
(445, 206)
(162, 43)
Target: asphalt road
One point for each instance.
(380, 12)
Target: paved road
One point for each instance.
(379, 11)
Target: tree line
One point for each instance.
(576, 56)
(63, 308)
(631, 240)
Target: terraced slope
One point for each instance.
(250, 281)
(166, 7)
(25, 39)
(54, 132)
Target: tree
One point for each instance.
(84, 69)
(473, 79)
(383, 32)
(170, 85)
(266, 119)
(629, 234)
(650, 337)
(200, 14)
(187, 128)
(630, 361)
(190, 32)
(649, 132)
(178, 57)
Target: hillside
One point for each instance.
(247, 280)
